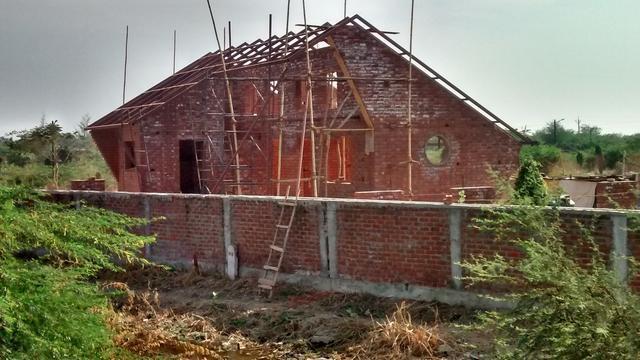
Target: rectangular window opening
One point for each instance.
(339, 166)
(129, 155)
(332, 90)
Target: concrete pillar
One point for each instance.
(455, 223)
(231, 255)
(332, 230)
(146, 204)
(324, 245)
(76, 199)
(620, 250)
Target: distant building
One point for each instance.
(179, 136)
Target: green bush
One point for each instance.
(580, 158)
(530, 186)
(612, 157)
(47, 308)
(561, 309)
(50, 313)
(546, 155)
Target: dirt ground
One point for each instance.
(184, 315)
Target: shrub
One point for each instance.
(546, 155)
(612, 157)
(530, 186)
(580, 158)
(562, 310)
(47, 309)
(50, 313)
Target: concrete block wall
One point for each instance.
(388, 248)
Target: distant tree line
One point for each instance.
(46, 155)
(589, 147)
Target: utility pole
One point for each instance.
(578, 121)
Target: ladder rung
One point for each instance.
(280, 226)
(140, 151)
(142, 165)
(270, 268)
(266, 282)
(276, 248)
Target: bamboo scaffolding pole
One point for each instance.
(310, 104)
(126, 57)
(229, 98)
(281, 115)
(409, 129)
(314, 78)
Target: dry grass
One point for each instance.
(398, 337)
(144, 329)
(173, 314)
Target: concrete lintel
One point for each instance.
(620, 250)
(455, 229)
(340, 202)
(332, 247)
(391, 290)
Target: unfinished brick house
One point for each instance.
(342, 127)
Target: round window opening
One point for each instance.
(436, 150)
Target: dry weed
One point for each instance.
(142, 328)
(398, 337)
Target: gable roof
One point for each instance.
(275, 49)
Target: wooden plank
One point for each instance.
(368, 148)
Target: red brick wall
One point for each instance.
(253, 225)
(474, 143)
(375, 241)
(614, 194)
(89, 184)
(394, 245)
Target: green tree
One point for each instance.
(45, 141)
(530, 186)
(599, 159)
(580, 158)
(545, 155)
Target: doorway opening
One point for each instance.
(189, 166)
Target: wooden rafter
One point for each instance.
(368, 148)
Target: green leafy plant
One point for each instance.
(580, 158)
(530, 185)
(545, 155)
(48, 251)
(562, 309)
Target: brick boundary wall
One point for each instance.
(386, 248)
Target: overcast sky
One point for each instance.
(529, 61)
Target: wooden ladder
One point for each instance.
(205, 174)
(138, 156)
(276, 249)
